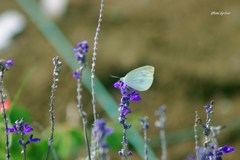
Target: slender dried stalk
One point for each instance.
(82, 113)
(197, 120)
(2, 97)
(57, 63)
(94, 58)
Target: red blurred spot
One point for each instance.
(7, 105)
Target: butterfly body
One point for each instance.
(140, 78)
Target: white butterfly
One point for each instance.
(140, 78)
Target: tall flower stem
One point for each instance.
(82, 113)
(125, 152)
(197, 121)
(57, 63)
(94, 58)
(164, 144)
(145, 127)
(161, 124)
(207, 126)
(80, 54)
(3, 68)
(23, 147)
(4, 114)
(127, 96)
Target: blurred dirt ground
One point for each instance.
(195, 54)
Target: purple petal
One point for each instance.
(27, 129)
(118, 84)
(76, 75)
(31, 139)
(225, 149)
(100, 123)
(125, 111)
(108, 131)
(81, 47)
(9, 63)
(35, 139)
(208, 108)
(12, 130)
(134, 96)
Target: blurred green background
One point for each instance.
(195, 54)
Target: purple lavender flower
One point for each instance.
(209, 156)
(210, 150)
(30, 140)
(208, 108)
(6, 64)
(100, 127)
(223, 150)
(20, 128)
(76, 75)
(82, 47)
(100, 132)
(127, 96)
(80, 51)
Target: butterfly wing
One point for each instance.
(140, 79)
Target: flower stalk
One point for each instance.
(127, 96)
(145, 127)
(57, 65)
(80, 54)
(161, 123)
(94, 58)
(4, 66)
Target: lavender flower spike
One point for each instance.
(80, 51)
(100, 132)
(127, 96)
(80, 54)
(4, 66)
(21, 129)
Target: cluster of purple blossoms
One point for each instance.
(20, 128)
(210, 156)
(80, 54)
(210, 151)
(127, 95)
(100, 132)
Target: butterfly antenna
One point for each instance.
(115, 76)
